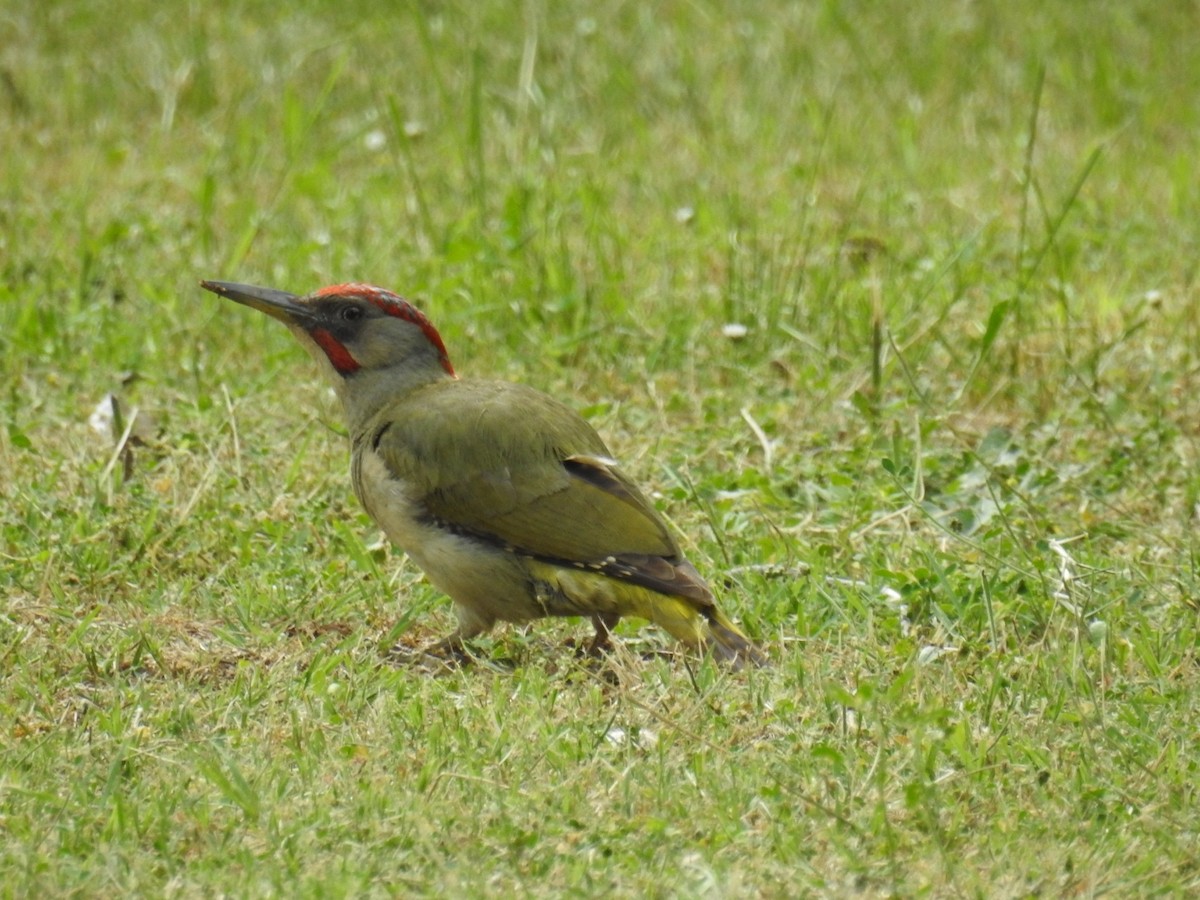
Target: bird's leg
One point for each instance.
(453, 647)
(604, 623)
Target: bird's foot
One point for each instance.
(442, 656)
(445, 656)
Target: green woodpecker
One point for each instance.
(506, 499)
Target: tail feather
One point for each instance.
(726, 642)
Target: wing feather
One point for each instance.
(511, 465)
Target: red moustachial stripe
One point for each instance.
(393, 305)
(338, 355)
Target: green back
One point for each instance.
(505, 461)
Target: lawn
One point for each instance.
(891, 307)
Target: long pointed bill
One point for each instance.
(277, 304)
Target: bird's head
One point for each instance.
(375, 342)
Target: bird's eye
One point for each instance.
(350, 313)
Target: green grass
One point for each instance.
(948, 475)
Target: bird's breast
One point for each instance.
(390, 501)
(475, 574)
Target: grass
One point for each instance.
(947, 472)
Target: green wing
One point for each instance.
(509, 464)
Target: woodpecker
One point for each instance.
(506, 499)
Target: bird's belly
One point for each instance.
(483, 580)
